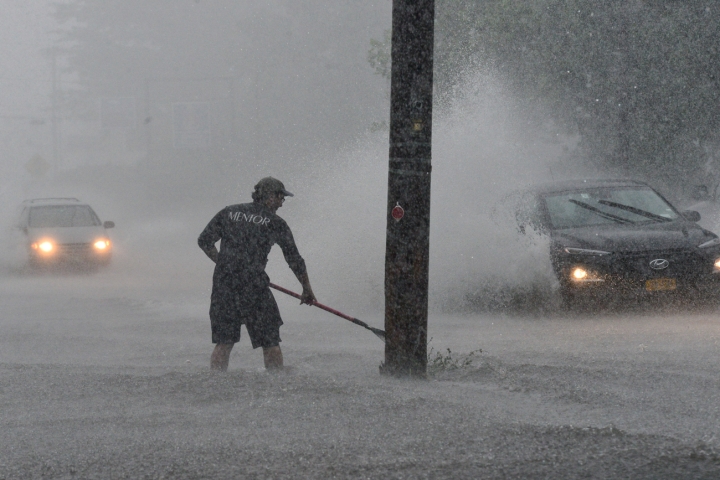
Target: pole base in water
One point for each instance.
(419, 372)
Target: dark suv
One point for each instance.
(621, 237)
(64, 230)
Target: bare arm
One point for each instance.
(308, 297)
(296, 263)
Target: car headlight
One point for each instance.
(710, 243)
(585, 251)
(102, 244)
(716, 266)
(43, 245)
(579, 274)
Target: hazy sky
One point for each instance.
(24, 72)
(25, 83)
(319, 91)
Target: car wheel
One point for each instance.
(570, 301)
(577, 302)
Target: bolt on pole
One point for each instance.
(408, 208)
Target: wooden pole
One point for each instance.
(408, 207)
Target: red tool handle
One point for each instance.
(319, 305)
(380, 333)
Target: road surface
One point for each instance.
(106, 376)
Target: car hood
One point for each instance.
(634, 238)
(63, 235)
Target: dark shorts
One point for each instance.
(255, 308)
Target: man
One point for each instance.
(241, 288)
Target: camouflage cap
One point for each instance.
(270, 185)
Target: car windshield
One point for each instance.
(600, 206)
(62, 216)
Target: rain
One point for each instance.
(158, 115)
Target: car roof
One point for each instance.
(52, 201)
(582, 184)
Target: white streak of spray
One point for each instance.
(480, 154)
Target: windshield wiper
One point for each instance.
(634, 210)
(599, 212)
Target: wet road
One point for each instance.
(105, 376)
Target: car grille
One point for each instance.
(681, 262)
(75, 249)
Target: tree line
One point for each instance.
(637, 80)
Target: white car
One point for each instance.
(64, 231)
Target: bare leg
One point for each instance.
(221, 356)
(273, 358)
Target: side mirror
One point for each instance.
(109, 224)
(691, 215)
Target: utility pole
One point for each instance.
(408, 208)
